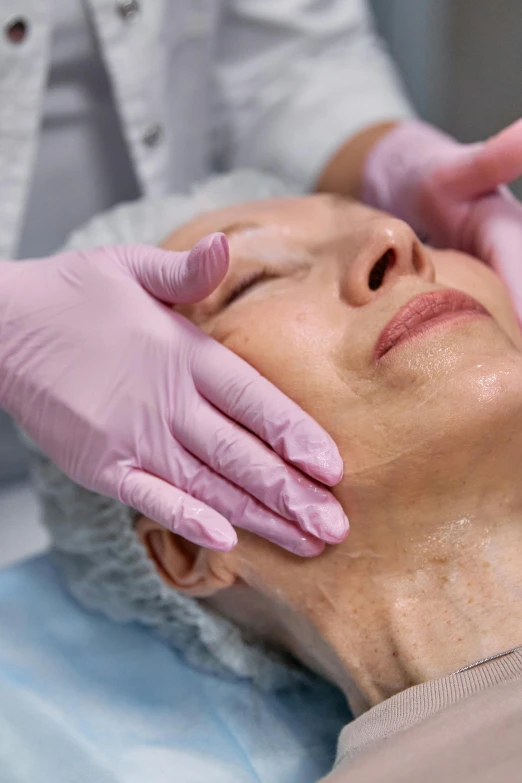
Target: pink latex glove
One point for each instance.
(452, 194)
(133, 401)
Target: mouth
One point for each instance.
(424, 313)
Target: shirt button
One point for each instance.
(128, 9)
(16, 30)
(153, 135)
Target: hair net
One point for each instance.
(103, 561)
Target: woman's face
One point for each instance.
(312, 284)
(414, 405)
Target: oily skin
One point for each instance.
(428, 579)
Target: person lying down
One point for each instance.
(410, 357)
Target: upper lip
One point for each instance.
(420, 309)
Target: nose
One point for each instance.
(387, 249)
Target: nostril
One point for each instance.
(380, 268)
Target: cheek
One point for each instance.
(290, 343)
(464, 273)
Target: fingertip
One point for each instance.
(227, 544)
(514, 130)
(325, 466)
(206, 266)
(210, 533)
(308, 446)
(338, 534)
(213, 246)
(328, 522)
(308, 547)
(219, 243)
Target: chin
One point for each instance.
(477, 411)
(463, 349)
(468, 415)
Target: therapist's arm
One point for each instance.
(344, 173)
(303, 88)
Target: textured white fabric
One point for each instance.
(275, 84)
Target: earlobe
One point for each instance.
(184, 566)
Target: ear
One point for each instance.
(186, 567)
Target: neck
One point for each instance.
(428, 586)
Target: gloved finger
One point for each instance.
(239, 456)
(282, 533)
(499, 231)
(242, 510)
(177, 511)
(506, 261)
(483, 167)
(240, 392)
(191, 513)
(180, 278)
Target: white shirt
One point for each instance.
(199, 86)
(81, 156)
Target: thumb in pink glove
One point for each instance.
(452, 194)
(133, 401)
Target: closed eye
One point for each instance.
(247, 283)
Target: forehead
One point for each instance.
(305, 217)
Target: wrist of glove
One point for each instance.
(398, 178)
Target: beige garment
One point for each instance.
(464, 728)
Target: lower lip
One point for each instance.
(438, 322)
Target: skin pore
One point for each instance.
(429, 578)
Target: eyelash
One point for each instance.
(248, 282)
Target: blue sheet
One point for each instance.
(84, 700)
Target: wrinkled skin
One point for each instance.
(430, 436)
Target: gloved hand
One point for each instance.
(132, 401)
(452, 194)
